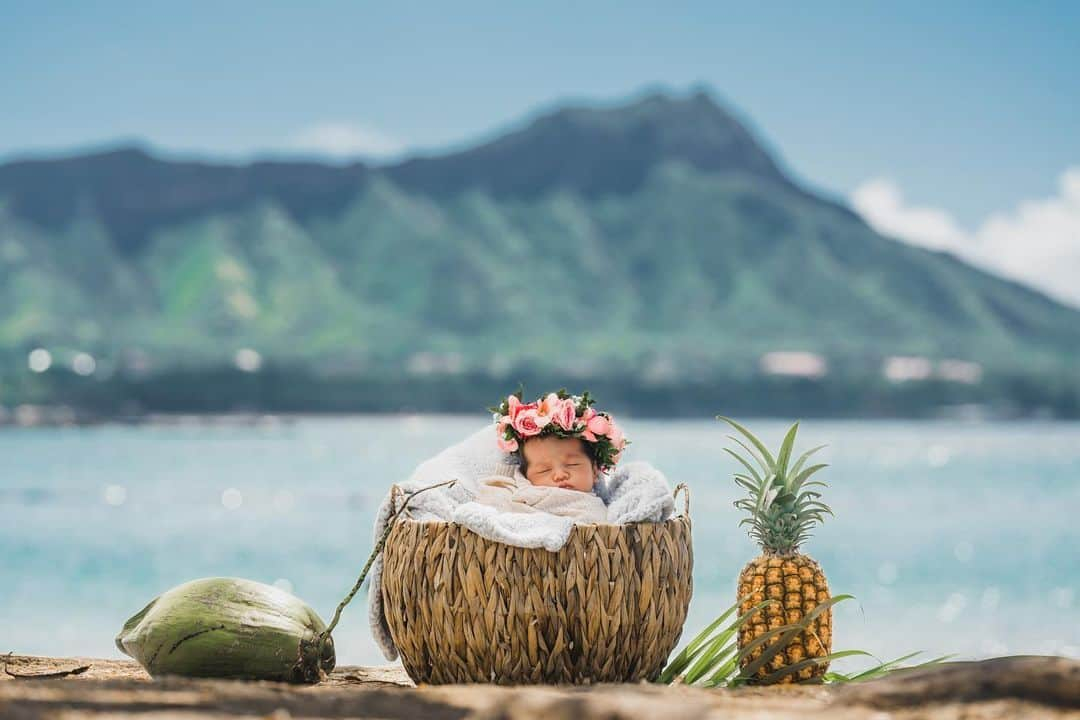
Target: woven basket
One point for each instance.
(608, 607)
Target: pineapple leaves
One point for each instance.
(746, 483)
(784, 455)
(779, 504)
(803, 458)
(766, 468)
(745, 464)
(763, 498)
(801, 477)
(753, 440)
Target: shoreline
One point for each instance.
(45, 416)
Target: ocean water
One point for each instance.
(954, 538)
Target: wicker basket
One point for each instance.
(608, 607)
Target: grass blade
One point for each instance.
(688, 653)
(713, 653)
(796, 667)
(882, 668)
(891, 666)
(691, 652)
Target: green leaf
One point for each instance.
(803, 458)
(881, 668)
(802, 476)
(888, 667)
(765, 467)
(724, 673)
(785, 454)
(713, 653)
(721, 663)
(745, 464)
(676, 666)
(796, 667)
(750, 436)
(764, 498)
(697, 646)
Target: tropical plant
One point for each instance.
(781, 588)
(714, 657)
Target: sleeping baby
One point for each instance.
(562, 445)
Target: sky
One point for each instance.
(954, 125)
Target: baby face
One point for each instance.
(558, 462)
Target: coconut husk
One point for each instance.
(229, 628)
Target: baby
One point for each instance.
(561, 445)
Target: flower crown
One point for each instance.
(560, 415)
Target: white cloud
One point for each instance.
(346, 140)
(1037, 243)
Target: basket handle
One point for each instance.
(396, 497)
(399, 498)
(686, 497)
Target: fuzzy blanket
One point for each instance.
(634, 492)
(518, 495)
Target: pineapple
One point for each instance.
(781, 509)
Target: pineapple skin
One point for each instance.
(796, 580)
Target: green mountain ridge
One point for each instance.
(654, 240)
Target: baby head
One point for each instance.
(560, 440)
(551, 461)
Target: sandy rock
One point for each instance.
(1014, 687)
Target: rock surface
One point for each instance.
(1012, 687)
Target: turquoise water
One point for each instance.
(955, 538)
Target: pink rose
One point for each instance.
(548, 404)
(618, 440)
(598, 425)
(507, 446)
(586, 415)
(565, 415)
(529, 422)
(520, 408)
(513, 406)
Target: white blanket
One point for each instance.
(518, 495)
(635, 492)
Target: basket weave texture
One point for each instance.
(608, 607)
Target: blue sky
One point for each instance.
(969, 108)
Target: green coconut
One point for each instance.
(229, 628)
(241, 629)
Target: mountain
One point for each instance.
(594, 152)
(135, 194)
(655, 241)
